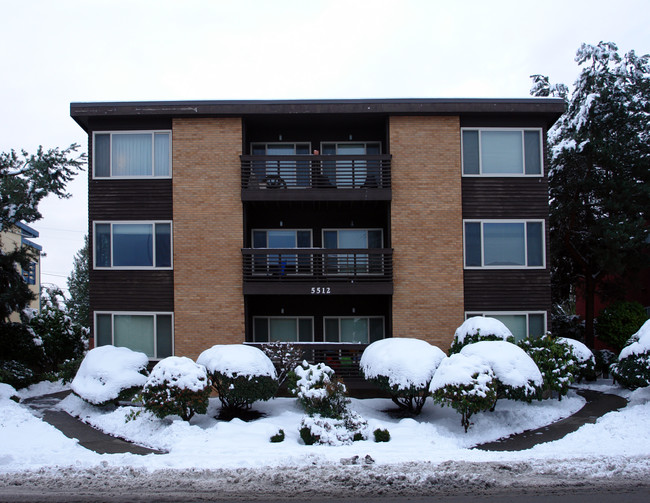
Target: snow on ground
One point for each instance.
(430, 450)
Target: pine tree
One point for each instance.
(79, 302)
(599, 172)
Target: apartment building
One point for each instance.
(329, 223)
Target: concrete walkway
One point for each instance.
(88, 437)
(598, 404)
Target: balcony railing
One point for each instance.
(342, 358)
(315, 176)
(318, 270)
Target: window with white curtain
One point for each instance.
(502, 152)
(149, 333)
(133, 154)
(504, 244)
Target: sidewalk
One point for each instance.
(598, 404)
(88, 437)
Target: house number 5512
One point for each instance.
(318, 290)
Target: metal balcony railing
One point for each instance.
(315, 172)
(317, 264)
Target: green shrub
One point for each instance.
(381, 435)
(177, 386)
(555, 360)
(319, 391)
(633, 371)
(239, 392)
(465, 383)
(616, 322)
(604, 360)
(16, 374)
(278, 437)
(306, 435)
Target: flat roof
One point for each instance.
(550, 107)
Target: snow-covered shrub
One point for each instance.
(466, 383)
(604, 360)
(349, 428)
(319, 391)
(177, 386)
(518, 377)
(633, 367)
(109, 374)
(62, 339)
(617, 321)
(285, 356)
(402, 367)
(556, 361)
(586, 361)
(240, 374)
(479, 328)
(381, 435)
(16, 374)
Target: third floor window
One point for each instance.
(133, 154)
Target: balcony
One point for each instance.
(316, 177)
(318, 271)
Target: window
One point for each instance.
(281, 263)
(136, 245)
(504, 244)
(29, 274)
(282, 173)
(133, 154)
(353, 263)
(351, 173)
(521, 325)
(357, 330)
(284, 329)
(149, 333)
(502, 152)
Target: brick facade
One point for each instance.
(208, 222)
(426, 226)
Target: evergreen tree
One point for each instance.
(599, 172)
(79, 302)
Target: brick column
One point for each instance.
(208, 227)
(426, 228)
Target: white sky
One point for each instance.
(57, 52)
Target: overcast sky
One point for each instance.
(57, 52)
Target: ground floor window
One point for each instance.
(149, 333)
(359, 330)
(521, 325)
(284, 329)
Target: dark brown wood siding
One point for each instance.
(130, 200)
(131, 290)
(507, 290)
(516, 198)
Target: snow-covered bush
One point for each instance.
(402, 367)
(556, 361)
(633, 367)
(109, 374)
(479, 328)
(586, 361)
(240, 374)
(8, 392)
(319, 391)
(518, 377)
(466, 383)
(177, 386)
(617, 321)
(21, 354)
(349, 428)
(285, 356)
(604, 360)
(16, 374)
